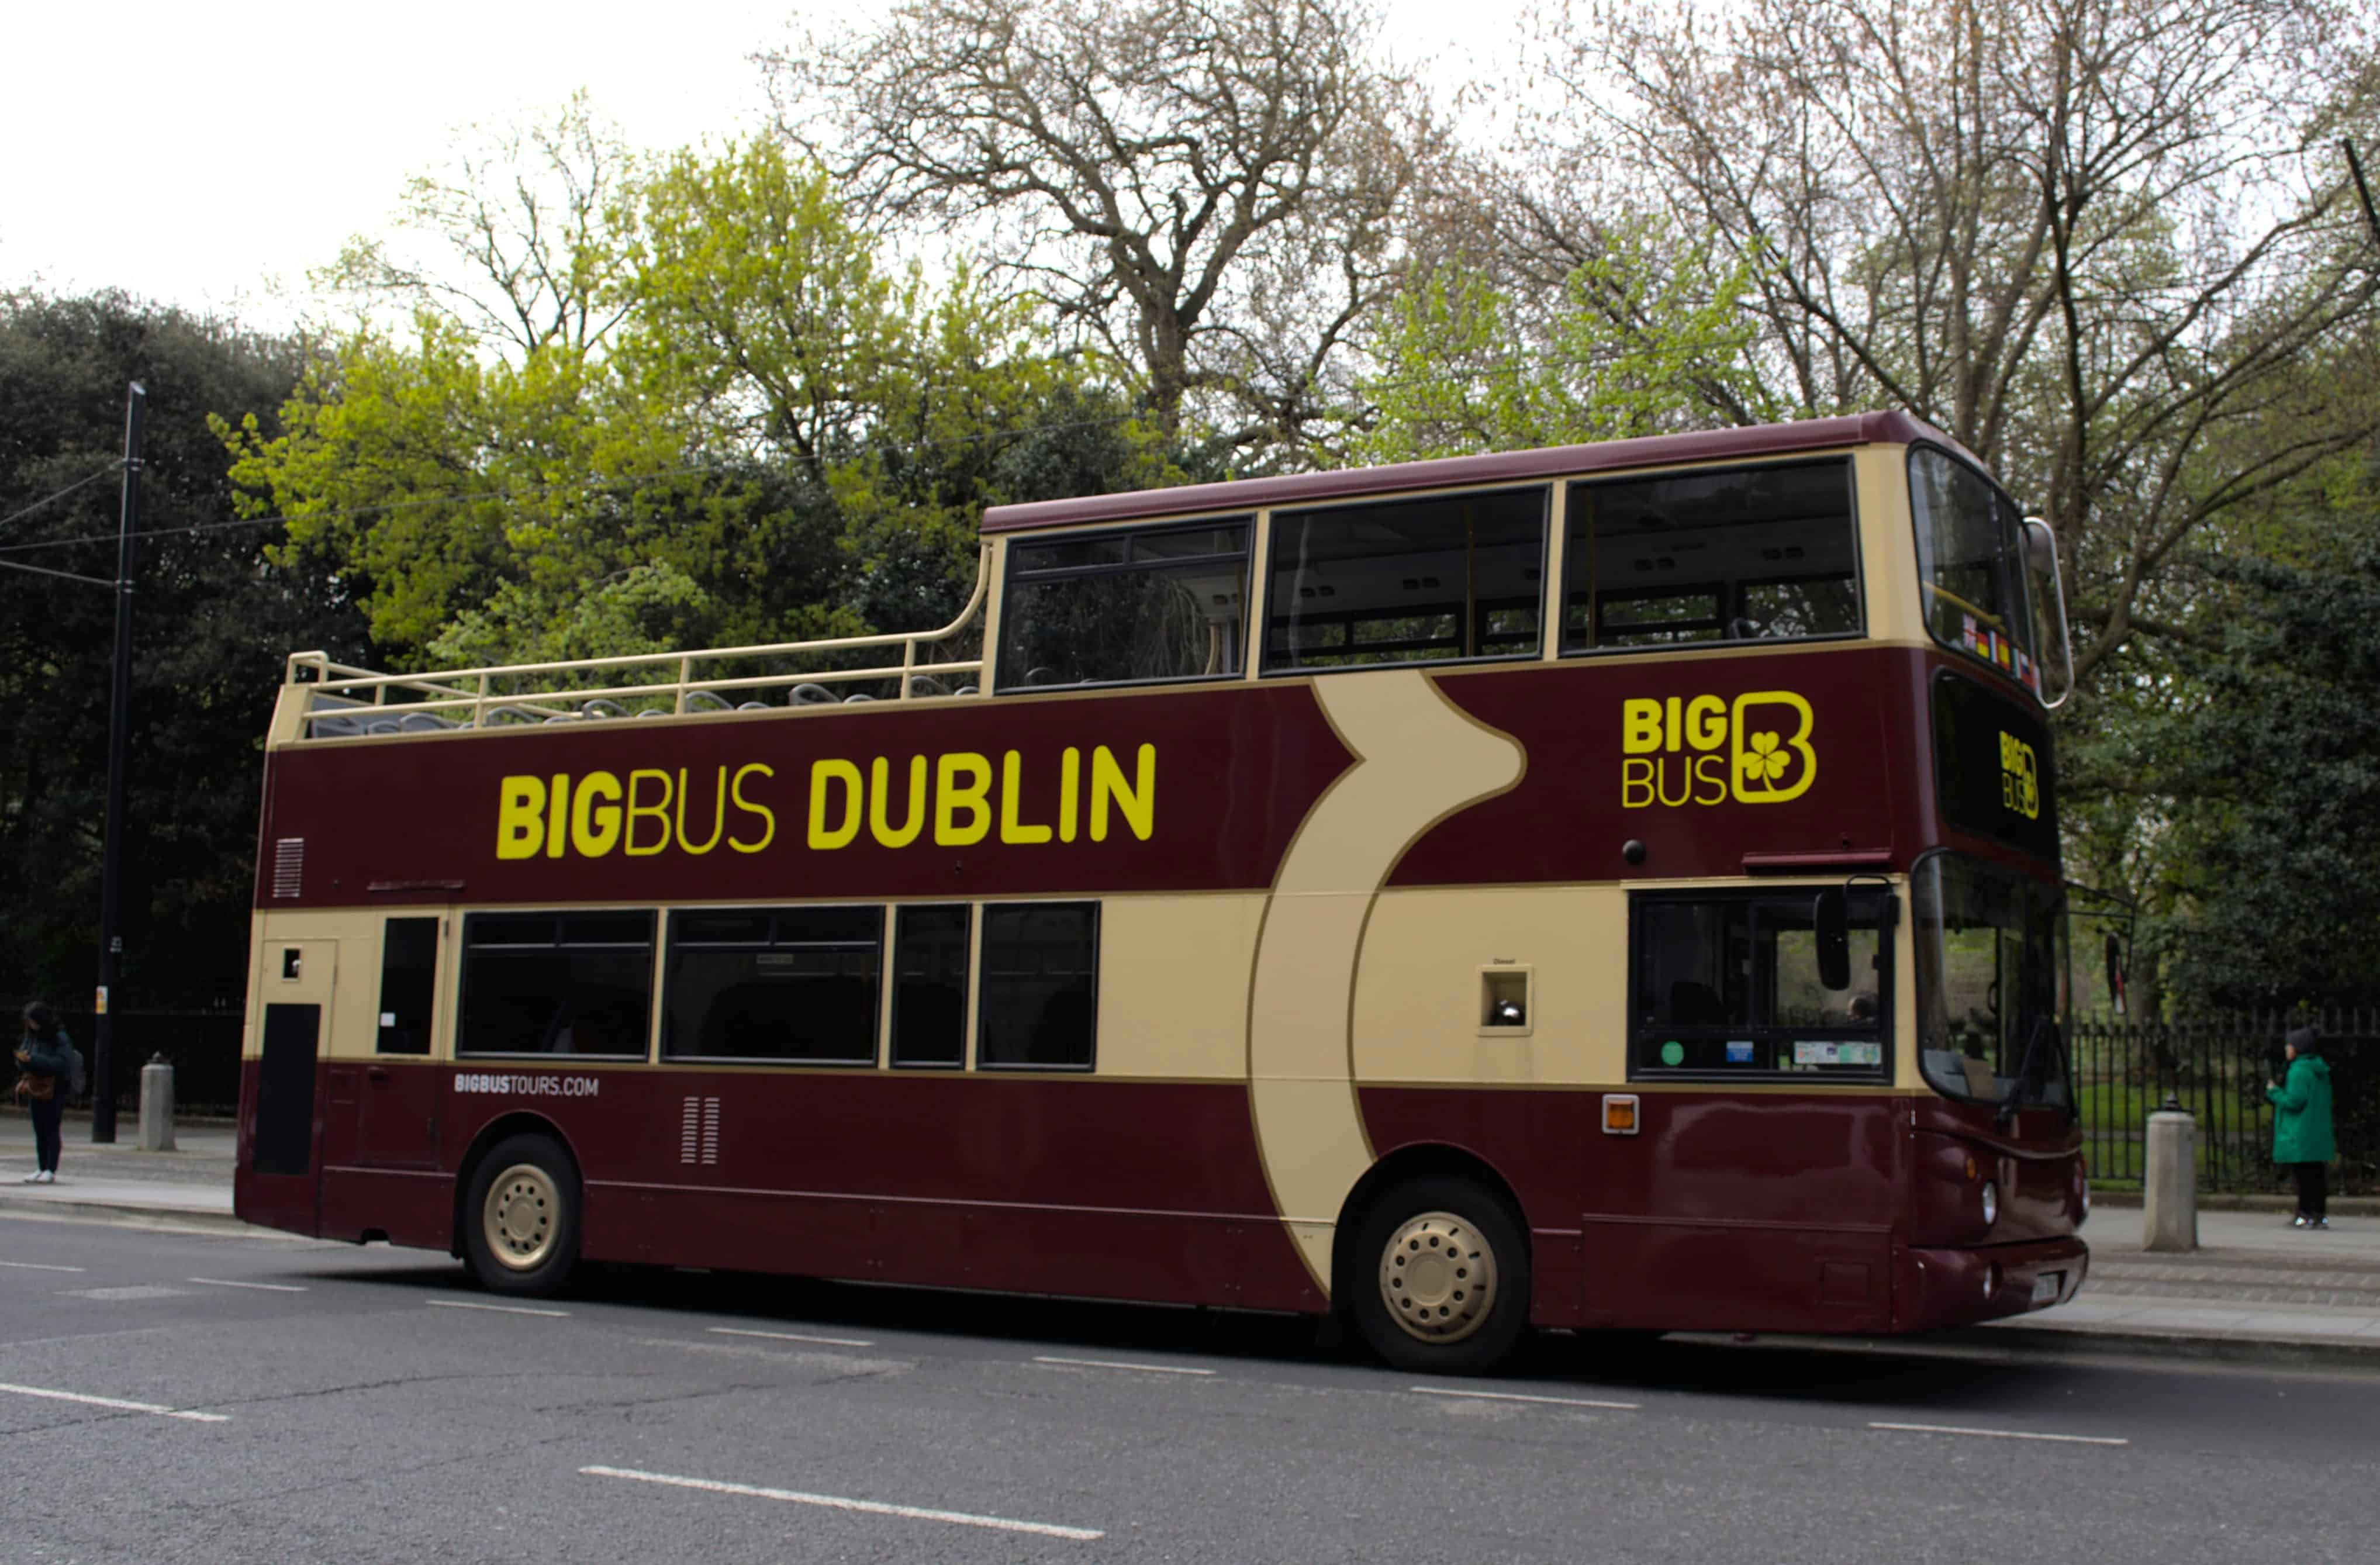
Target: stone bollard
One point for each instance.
(2169, 1190)
(157, 1105)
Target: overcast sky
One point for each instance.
(207, 157)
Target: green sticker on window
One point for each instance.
(1673, 1053)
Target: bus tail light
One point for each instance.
(1619, 1116)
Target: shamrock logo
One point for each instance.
(1766, 761)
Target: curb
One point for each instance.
(2340, 1206)
(131, 1214)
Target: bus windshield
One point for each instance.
(1971, 562)
(1992, 984)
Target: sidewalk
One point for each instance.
(191, 1185)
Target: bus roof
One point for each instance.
(1298, 488)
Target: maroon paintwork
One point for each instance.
(1808, 1211)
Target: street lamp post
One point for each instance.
(119, 719)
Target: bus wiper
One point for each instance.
(2009, 1104)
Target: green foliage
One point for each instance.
(1648, 338)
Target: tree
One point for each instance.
(213, 620)
(1208, 192)
(2098, 242)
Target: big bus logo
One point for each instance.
(1706, 750)
(2019, 777)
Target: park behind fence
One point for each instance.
(2216, 1067)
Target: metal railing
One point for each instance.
(2215, 1066)
(348, 701)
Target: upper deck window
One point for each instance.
(1971, 563)
(1115, 608)
(1764, 553)
(1437, 580)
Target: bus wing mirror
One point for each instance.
(2114, 949)
(1832, 920)
(2040, 547)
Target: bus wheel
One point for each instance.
(520, 1220)
(1438, 1280)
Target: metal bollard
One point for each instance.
(2169, 1191)
(157, 1105)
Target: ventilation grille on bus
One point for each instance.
(288, 866)
(698, 1133)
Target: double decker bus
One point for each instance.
(1614, 887)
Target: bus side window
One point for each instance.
(1040, 986)
(557, 983)
(1437, 580)
(408, 980)
(1728, 985)
(929, 984)
(794, 985)
(1126, 607)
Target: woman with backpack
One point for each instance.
(48, 1064)
(2302, 1126)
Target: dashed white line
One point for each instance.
(2002, 1434)
(1117, 1364)
(262, 1287)
(116, 1403)
(501, 1309)
(794, 1337)
(1519, 1397)
(37, 1266)
(837, 1502)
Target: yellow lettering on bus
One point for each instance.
(520, 817)
(595, 815)
(557, 825)
(1706, 722)
(1012, 796)
(1639, 727)
(1070, 782)
(638, 811)
(767, 816)
(1136, 800)
(880, 791)
(951, 800)
(718, 814)
(1765, 758)
(1635, 782)
(847, 775)
(1711, 769)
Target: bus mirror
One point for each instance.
(2040, 547)
(2115, 949)
(1830, 918)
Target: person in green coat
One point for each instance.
(2301, 1136)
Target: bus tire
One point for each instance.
(1437, 1277)
(520, 1218)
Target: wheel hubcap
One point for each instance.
(518, 1220)
(1438, 1277)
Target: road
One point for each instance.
(171, 1397)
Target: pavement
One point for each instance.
(2256, 1289)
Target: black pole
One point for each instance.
(119, 721)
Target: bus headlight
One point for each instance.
(1991, 1203)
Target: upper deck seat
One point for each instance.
(811, 695)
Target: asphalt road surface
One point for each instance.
(168, 1397)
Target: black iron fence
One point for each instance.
(2216, 1068)
(202, 1046)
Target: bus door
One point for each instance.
(397, 1100)
(281, 1132)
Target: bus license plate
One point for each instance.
(2045, 1287)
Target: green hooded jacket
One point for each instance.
(2301, 1129)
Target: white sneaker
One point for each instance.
(47, 1176)
(33, 1178)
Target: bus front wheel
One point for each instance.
(1438, 1277)
(520, 1219)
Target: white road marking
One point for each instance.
(501, 1309)
(2002, 1434)
(36, 1266)
(794, 1336)
(137, 1291)
(1518, 1396)
(118, 1403)
(265, 1287)
(836, 1502)
(1117, 1364)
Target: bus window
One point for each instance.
(1435, 580)
(1040, 986)
(1727, 986)
(1126, 607)
(554, 983)
(1766, 553)
(929, 984)
(409, 978)
(797, 985)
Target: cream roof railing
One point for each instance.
(348, 700)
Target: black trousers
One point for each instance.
(2314, 1189)
(47, 1113)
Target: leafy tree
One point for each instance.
(214, 619)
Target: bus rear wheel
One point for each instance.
(1437, 1277)
(520, 1218)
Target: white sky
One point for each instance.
(209, 158)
